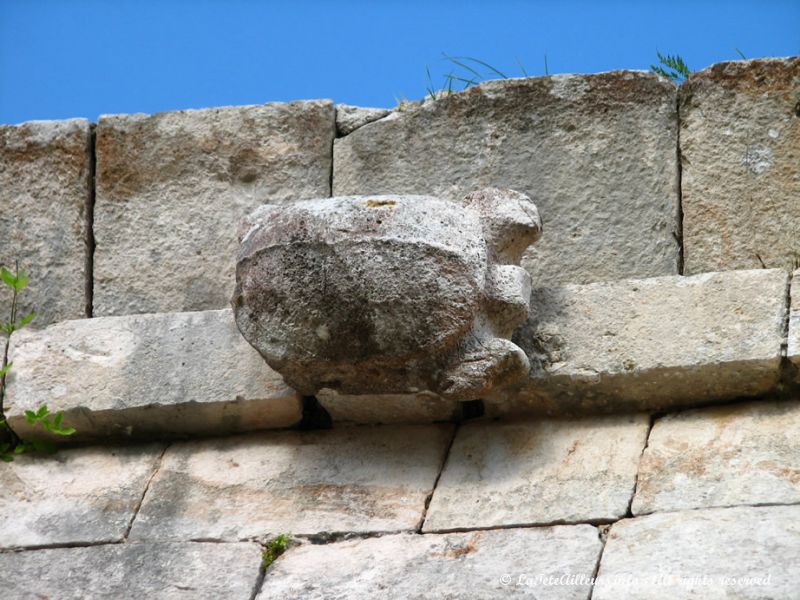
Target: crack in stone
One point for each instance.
(603, 535)
(438, 477)
(628, 512)
(138, 507)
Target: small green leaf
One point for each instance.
(26, 319)
(22, 280)
(5, 369)
(43, 411)
(30, 417)
(6, 457)
(8, 278)
(65, 431)
(58, 418)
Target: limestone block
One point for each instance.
(747, 553)
(740, 148)
(132, 572)
(479, 565)
(388, 294)
(538, 473)
(352, 479)
(596, 153)
(76, 496)
(793, 344)
(732, 455)
(172, 187)
(45, 172)
(656, 343)
(147, 375)
(349, 117)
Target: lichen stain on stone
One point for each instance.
(757, 160)
(459, 550)
(379, 203)
(753, 77)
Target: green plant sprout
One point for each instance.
(467, 72)
(276, 546)
(10, 443)
(671, 67)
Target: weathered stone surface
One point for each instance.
(388, 408)
(143, 375)
(44, 197)
(172, 187)
(746, 553)
(480, 565)
(132, 572)
(360, 479)
(349, 117)
(550, 471)
(596, 153)
(388, 294)
(742, 454)
(740, 147)
(650, 344)
(77, 496)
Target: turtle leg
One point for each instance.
(484, 365)
(508, 295)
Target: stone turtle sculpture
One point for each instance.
(388, 294)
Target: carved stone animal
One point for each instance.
(388, 294)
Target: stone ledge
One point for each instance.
(651, 344)
(147, 375)
(624, 346)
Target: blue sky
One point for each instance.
(64, 58)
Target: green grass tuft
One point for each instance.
(275, 547)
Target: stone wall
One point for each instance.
(633, 177)
(665, 281)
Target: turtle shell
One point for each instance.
(374, 281)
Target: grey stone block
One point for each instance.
(147, 375)
(45, 172)
(740, 149)
(132, 572)
(351, 479)
(172, 187)
(744, 454)
(76, 496)
(538, 473)
(478, 565)
(658, 343)
(747, 553)
(596, 153)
